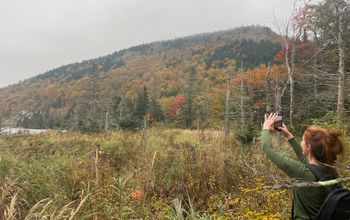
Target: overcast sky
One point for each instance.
(38, 35)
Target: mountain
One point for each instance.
(57, 97)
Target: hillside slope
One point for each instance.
(159, 66)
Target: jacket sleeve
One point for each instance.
(298, 151)
(292, 168)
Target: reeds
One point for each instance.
(159, 174)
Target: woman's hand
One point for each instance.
(268, 124)
(269, 120)
(286, 132)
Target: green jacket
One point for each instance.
(306, 200)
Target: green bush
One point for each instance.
(248, 134)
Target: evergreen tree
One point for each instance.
(187, 111)
(156, 110)
(86, 114)
(93, 118)
(141, 107)
(127, 117)
(115, 110)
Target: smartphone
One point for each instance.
(278, 122)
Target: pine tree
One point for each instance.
(156, 110)
(115, 110)
(187, 112)
(127, 119)
(141, 107)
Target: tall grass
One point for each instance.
(140, 176)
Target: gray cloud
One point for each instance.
(39, 35)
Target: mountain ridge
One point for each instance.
(160, 65)
(230, 33)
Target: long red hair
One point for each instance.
(325, 144)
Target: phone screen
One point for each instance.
(278, 123)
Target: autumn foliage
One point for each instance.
(173, 106)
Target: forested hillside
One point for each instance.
(79, 95)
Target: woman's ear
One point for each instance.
(308, 148)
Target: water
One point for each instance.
(10, 131)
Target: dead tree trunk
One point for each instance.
(278, 99)
(340, 103)
(242, 99)
(315, 78)
(228, 105)
(290, 43)
(290, 71)
(279, 91)
(291, 85)
(106, 123)
(268, 89)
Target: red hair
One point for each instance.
(325, 144)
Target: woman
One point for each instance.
(319, 147)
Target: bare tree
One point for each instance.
(330, 19)
(242, 97)
(228, 104)
(339, 11)
(268, 90)
(294, 28)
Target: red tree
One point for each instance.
(173, 106)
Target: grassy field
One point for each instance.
(152, 174)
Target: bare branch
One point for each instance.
(298, 184)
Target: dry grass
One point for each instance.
(53, 176)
